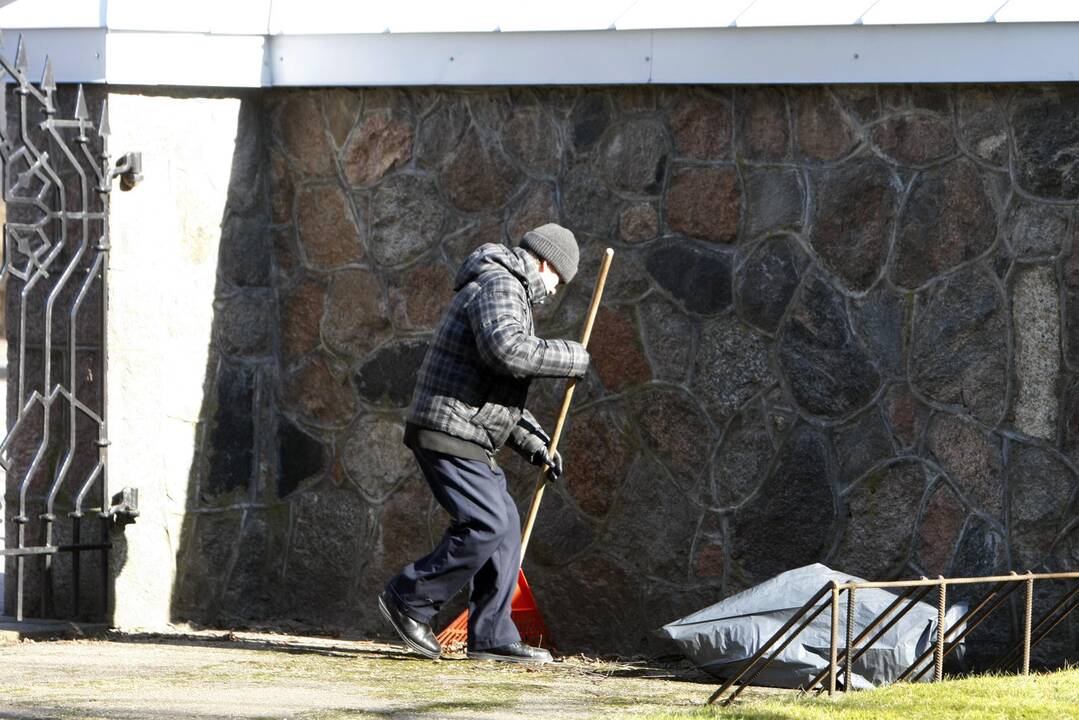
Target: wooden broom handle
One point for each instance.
(541, 481)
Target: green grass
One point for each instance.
(1053, 696)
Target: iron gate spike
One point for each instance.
(48, 78)
(81, 111)
(103, 126)
(20, 58)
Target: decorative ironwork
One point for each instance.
(56, 178)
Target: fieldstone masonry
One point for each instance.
(837, 329)
(840, 326)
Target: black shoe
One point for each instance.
(416, 635)
(516, 652)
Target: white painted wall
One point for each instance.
(165, 237)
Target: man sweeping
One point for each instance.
(469, 401)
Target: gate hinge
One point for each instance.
(129, 170)
(125, 506)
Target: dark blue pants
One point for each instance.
(482, 546)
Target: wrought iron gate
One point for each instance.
(56, 177)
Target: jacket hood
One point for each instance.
(496, 257)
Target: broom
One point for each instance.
(524, 611)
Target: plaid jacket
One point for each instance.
(475, 377)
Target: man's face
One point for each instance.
(550, 277)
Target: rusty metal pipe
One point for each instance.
(1012, 655)
(797, 631)
(771, 641)
(966, 631)
(872, 626)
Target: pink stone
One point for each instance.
(318, 394)
(702, 128)
(328, 233)
(356, 317)
(304, 136)
(616, 352)
(939, 531)
(382, 143)
(705, 202)
(824, 132)
(300, 313)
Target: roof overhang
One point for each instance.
(249, 49)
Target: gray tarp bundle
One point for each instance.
(719, 638)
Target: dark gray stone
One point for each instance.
(948, 219)
(588, 204)
(732, 366)
(532, 137)
(440, 132)
(982, 128)
(854, 209)
(245, 252)
(1069, 423)
(972, 459)
(981, 550)
(697, 276)
(407, 219)
(1038, 230)
(330, 527)
(797, 497)
(880, 319)
(774, 199)
(389, 374)
(1046, 130)
(375, 457)
(828, 371)
(676, 432)
(205, 559)
(656, 543)
(564, 532)
(861, 444)
(767, 281)
(633, 156)
(300, 457)
(231, 442)
(244, 324)
(589, 119)
(862, 102)
(744, 457)
(1040, 486)
(881, 511)
(957, 354)
(669, 337)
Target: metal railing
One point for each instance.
(56, 178)
(945, 642)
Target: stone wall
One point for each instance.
(838, 328)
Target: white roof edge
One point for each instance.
(984, 52)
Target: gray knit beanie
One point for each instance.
(556, 245)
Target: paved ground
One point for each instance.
(214, 674)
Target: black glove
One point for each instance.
(554, 466)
